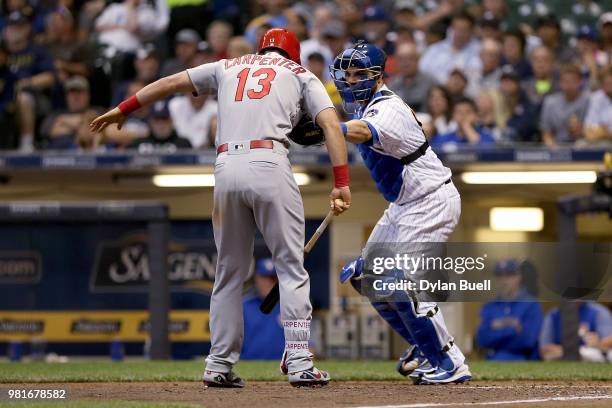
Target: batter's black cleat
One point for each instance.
(309, 378)
(222, 380)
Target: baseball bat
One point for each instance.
(273, 297)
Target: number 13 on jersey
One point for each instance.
(265, 75)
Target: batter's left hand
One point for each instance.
(340, 200)
(112, 116)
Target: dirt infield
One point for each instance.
(348, 394)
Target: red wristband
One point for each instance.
(341, 176)
(129, 105)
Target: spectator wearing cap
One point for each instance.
(33, 67)
(8, 103)
(563, 113)
(543, 82)
(513, 48)
(124, 26)
(316, 64)
(509, 326)
(587, 48)
(146, 65)
(331, 41)
(185, 47)
(598, 121)
(376, 25)
(263, 334)
(297, 22)
(519, 115)
(460, 50)
(594, 330)
(61, 130)
(163, 137)
(193, 117)
(273, 16)
(469, 131)
(410, 84)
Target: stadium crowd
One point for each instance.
(475, 71)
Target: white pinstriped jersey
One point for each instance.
(397, 133)
(260, 96)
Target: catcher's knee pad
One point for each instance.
(392, 317)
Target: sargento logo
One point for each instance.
(124, 264)
(19, 267)
(87, 326)
(10, 326)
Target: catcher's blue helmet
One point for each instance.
(369, 63)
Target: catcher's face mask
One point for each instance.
(355, 78)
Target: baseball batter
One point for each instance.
(261, 98)
(424, 205)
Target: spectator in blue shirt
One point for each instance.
(263, 334)
(468, 131)
(594, 329)
(510, 325)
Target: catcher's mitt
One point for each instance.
(307, 133)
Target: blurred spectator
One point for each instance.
(598, 121)
(297, 23)
(87, 15)
(490, 74)
(163, 137)
(125, 26)
(273, 16)
(457, 84)
(316, 64)
(497, 9)
(520, 116)
(218, 36)
(548, 31)
(71, 57)
(331, 42)
(146, 64)
(204, 55)
(8, 103)
(563, 112)
(194, 14)
(489, 28)
(238, 46)
(409, 83)
(376, 25)
(26, 8)
(586, 49)
(185, 47)
(263, 333)
(468, 130)
(60, 130)
(439, 107)
(543, 82)
(192, 118)
(33, 68)
(595, 331)
(509, 326)
(605, 27)
(488, 112)
(514, 53)
(438, 12)
(136, 125)
(460, 50)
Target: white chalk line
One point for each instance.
(510, 387)
(456, 404)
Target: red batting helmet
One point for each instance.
(281, 39)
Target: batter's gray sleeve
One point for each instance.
(314, 95)
(205, 77)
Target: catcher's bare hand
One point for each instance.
(112, 116)
(340, 200)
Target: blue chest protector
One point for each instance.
(385, 170)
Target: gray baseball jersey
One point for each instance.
(260, 96)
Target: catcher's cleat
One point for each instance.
(222, 380)
(424, 368)
(309, 378)
(439, 376)
(283, 364)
